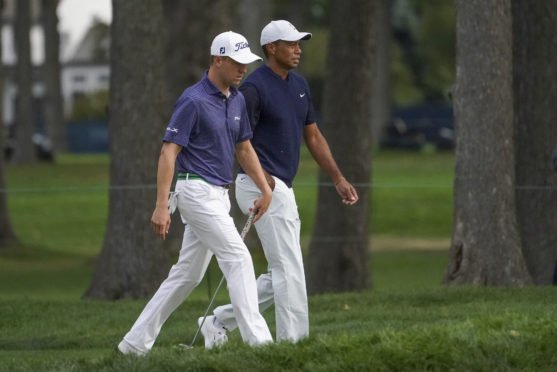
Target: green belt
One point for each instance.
(193, 176)
(190, 176)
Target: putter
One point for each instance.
(243, 236)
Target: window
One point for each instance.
(78, 78)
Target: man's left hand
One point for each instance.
(346, 191)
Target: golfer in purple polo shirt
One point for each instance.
(209, 125)
(281, 113)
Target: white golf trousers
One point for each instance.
(284, 284)
(209, 230)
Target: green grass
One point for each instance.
(411, 193)
(407, 322)
(60, 207)
(63, 207)
(462, 329)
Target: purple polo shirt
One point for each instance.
(208, 126)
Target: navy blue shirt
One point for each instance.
(208, 125)
(278, 111)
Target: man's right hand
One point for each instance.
(160, 221)
(261, 205)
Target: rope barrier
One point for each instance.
(301, 184)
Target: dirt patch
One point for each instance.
(396, 243)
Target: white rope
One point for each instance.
(296, 185)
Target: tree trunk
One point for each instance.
(485, 248)
(25, 126)
(339, 249)
(298, 11)
(535, 45)
(7, 236)
(132, 262)
(54, 117)
(189, 29)
(251, 16)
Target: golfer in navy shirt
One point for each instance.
(281, 113)
(209, 125)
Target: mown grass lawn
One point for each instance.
(408, 321)
(462, 329)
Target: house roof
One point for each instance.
(94, 47)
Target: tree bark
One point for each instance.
(251, 17)
(535, 45)
(7, 236)
(54, 117)
(485, 247)
(132, 262)
(298, 11)
(25, 127)
(189, 29)
(339, 249)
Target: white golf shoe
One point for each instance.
(125, 348)
(213, 335)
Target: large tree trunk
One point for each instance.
(298, 11)
(485, 248)
(251, 16)
(25, 126)
(132, 263)
(51, 74)
(535, 96)
(189, 29)
(339, 250)
(7, 236)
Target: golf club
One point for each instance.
(243, 236)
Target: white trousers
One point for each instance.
(284, 283)
(209, 230)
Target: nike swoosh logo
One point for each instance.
(302, 95)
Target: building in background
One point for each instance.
(86, 70)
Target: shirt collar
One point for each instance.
(277, 76)
(211, 89)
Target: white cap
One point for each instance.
(235, 46)
(282, 30)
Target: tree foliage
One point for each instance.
(91, 106)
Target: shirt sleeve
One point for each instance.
(310, 117)
(182, 123)
(253, 105)
(245, 132)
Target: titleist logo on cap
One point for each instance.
(241, 45)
